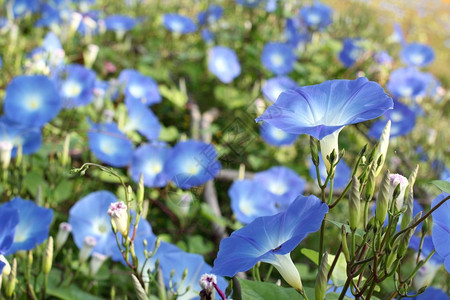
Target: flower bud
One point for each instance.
(65, 152)
(407, 215)
(382, 204)
(328, 145)
(97, 260)
(62, 235)
(397, 180)
(140, 291)
(140, 193)
(314, 146)
(370, 185)
(344, 244)
(118, 213)
(90, 55)
(11, 282)
(391, 258)
(322, 278)
(413, 176)
(5, 153)
(405, 237)
(383, 147)
(207, 282)
(354, 204)
(47, 259)
(88, 244)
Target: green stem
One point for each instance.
(322, 233)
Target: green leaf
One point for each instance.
(359, 232)
(70, 293)
(174, 95)
(168, 134)
(62, 191)
(339, 273)
(442, 185)
(33, 180)
(253, 290)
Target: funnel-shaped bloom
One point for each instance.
(322, 110)
(403, 120)
(192, 163)
(249, 201)
(441, 228)
(408, 83)
(139, 87)
(149, 160)
(279, 58)
(27, 137)
(142, 119)
(418, 55)
(275, 136)
(77, 86)
(351, 52)
(9, 218)
(271, 239)
(283, 184)
(273, 87)
(223, 62)
(110, 145)
(316, 16)
(31, 100)
(34, 224)
(179, 24)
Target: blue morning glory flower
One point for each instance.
(192, 163)
(271, 5)
(275, 136)
(249, 201)
(34, 224)
(149, 159)
(441, 228)
(22, 7)
(322, 110)
(139, 87)
(29, 138)
(109, 144)
(432, 293)
(270, 239)
(224, 63)
(120, 23)
(417, 55)
(295, 33)
(31, 100)
(279, 58)
(9, 218)
(283, 184)
(403, 120)
(407, 83)
(89, 217)
(89, 24)
(142, 119)
(249, 3)
(76, 86)
(383, 58)
(52, 16)
(211, 15)
(207, 35)
(342, 176)
(351, 52)
(317, 16)
(179, 24)
(273, 87)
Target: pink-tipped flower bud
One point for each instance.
(96, 262)
(118, 213)
(63, 233)
(401, 181)
(207, 282)
(88, 244)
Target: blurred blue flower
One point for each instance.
(322, 110)
(109, 144)
(1, 62)
(76, 85)
(34, 224)
(9, 218)
(52, 15)
(433, 265)
(139, 87)
(207, 35)
(149, 159)
(279, 58)
(31, 100)
(273, 87)
(89, 24)
(398, 34)
(249, 201)
(192, 163)
(211, 15)
(407, 82)
(342, 176)
(142, 119)
(120, 23)
(403, 120)
(283, 184)
(276, 137)
(249, 3)
(383, 58)
(18, 135)
(317, 16)
(432, 293)
(179, 24)
(351, 52)
(21, 7)
(418, 55)
(271, 5)
(89, 217)
(270, 239)
(295, 33)
(224, 63)
(441, 228)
